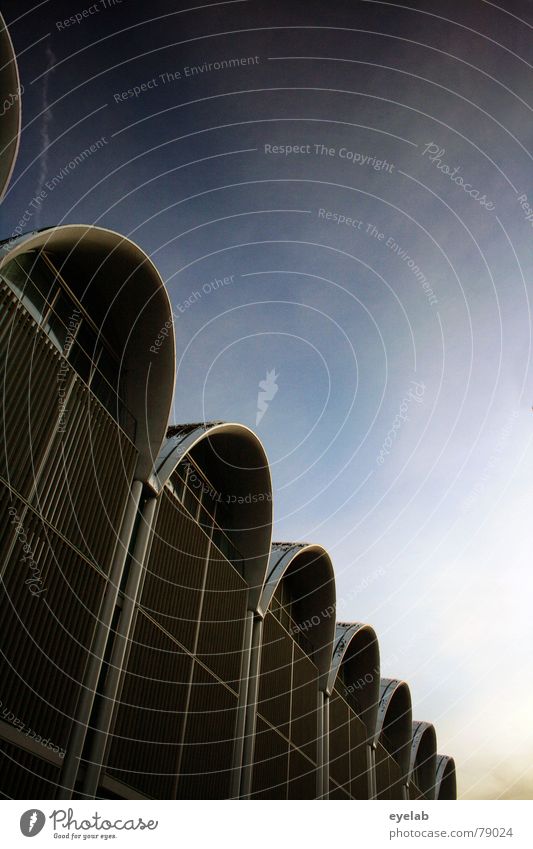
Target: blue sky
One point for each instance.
(400, 432)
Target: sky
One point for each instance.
(337, 198)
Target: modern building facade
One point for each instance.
(156, 642)
(423, 761)
(393, 739)
(293, 633)
(159, 643)
(446, 782)
(79, 307)
(351, 712)
(185, 619)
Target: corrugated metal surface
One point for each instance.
(336, 792)
(414, 792)
(383, 781)
(304, 704)
(284, 663)
(270, 763)
(175, 572)
(221, 634)
(388, 775)
(275, 675)
(7, 531)
(29, 365)
(339, 740)
(395, 774)
(302, 777)
(359, 778)
(24, 776)
(206, 761)
(144, 748)
(91, 464)
(91, 461)
(46, 637)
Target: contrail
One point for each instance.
(45, 135)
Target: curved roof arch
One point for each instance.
(394, 722)
(234, 460)
(122, 291)
(445, 778)
(311, 572)
(356, 653)
(10, 99)
(423, 758)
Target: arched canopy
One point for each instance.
(356, 661)
(423, 759)
(309, 572)
(122, 293)
(393, 726)
(233, 460)
(10, 105)
(445, 778)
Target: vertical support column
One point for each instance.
(116, 662)
(240, 726)
(371, 767)
(194, 652)
(325, 747)
(320, 746)
(251, 708)
(92, 673)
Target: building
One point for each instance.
(80, 306)
(186, 620)
(157, 643)
(123, 577)
(446, 783)
(352, 708)
(292, 637)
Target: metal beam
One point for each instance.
(76, 742)
(120, 644)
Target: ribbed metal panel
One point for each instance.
(336, 792)
(91, 464)
(221, 634)
(388, 775)
(302, 777)
(270, 763)
(359, 778)
(7, 532)
(46, 637)
(206, 762)
(175, 572)
(144, 748)
(414, 792)
(24, 776)
(395, 775)
(384, 779)
(304, 704)
(275, 675)
(339, 740)
(29, 365)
